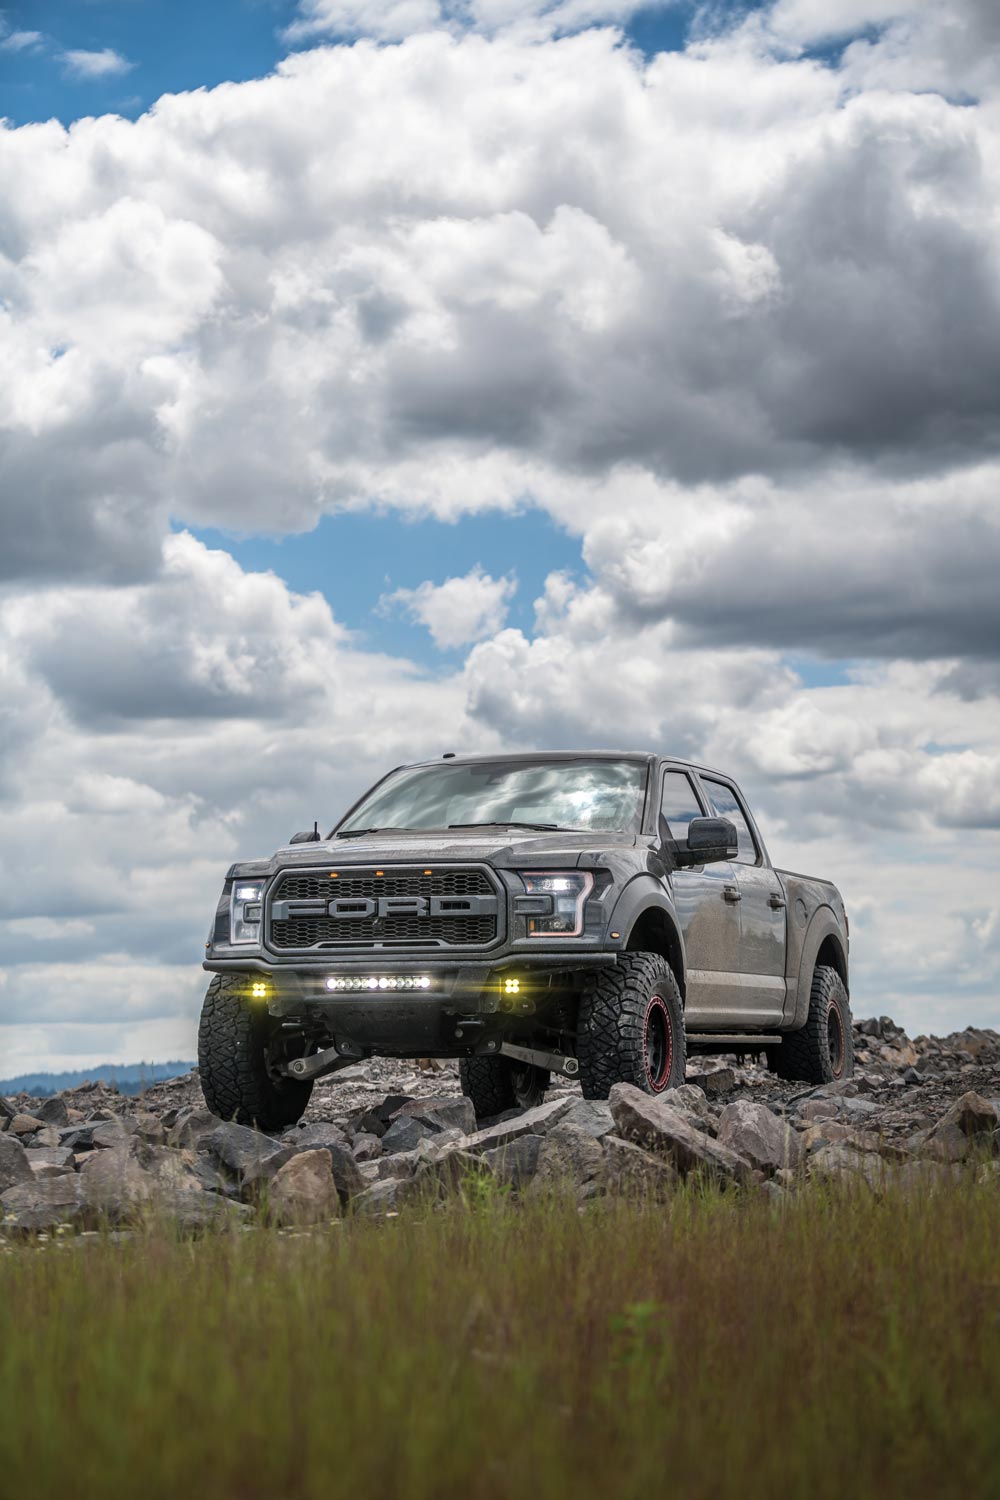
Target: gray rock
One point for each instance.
(450, 1172)
(630, 1169)
(382, 1198)
(689, 1098)
(43, 1204)
(254, 1157)
(756, 1133)
(14, 1164)
(346, 1174)
(404, 1134)
(50, 1160)
(441, 1114)
(191, 1127)
(53, 1111)
(840, 1161)
(321, 1133)
(514, 1164)
(590, 1115)
(115, 1185)
(664, 1130)
(7, 1110)
(537, 1121)
(22, 1125)
(303, 1191)
(568, 1155)
(109, 1133)
(972, 1114)
(715, 1082)
(366, 1147)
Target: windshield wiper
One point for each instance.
(508, 823)
(357, 833)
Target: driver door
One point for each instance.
(709, 917)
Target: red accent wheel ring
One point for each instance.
(658, 1044)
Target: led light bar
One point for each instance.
(379, 982)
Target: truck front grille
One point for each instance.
(299, 932)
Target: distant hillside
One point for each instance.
(130, 1078)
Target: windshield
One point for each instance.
(582, 794)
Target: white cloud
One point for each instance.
(107, 63)
(19, 41)
(460, 610)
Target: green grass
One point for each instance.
(839, 1345)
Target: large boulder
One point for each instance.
(53, 1111)
(253, 1156)
(569, 1156)
(754, 1132)
(440, 1114)
(658, 1127)
(590, 1115)
(303, 1191)
(537, 1121)
(514, 1164)
(14, 1164)
(631, 1170)
(347, 1176)
(405, 1134)
(44, 1204)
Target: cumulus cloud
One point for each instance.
(460, 610)
(107, 63)
(19, 41)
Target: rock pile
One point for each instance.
(383, 1133)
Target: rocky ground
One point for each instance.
(382, 1132)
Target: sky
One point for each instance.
(385, 377)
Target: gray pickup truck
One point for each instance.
(592, 914)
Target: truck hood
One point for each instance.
(510, 848)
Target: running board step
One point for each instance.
(712, 1039)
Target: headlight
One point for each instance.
(244, 911)
(569, 890)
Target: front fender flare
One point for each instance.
(645, 893)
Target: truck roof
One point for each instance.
(512, 757)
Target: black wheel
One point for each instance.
(237, 1052)
(496, 1084)
(630, 1028)
(823, 1050)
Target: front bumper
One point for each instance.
(464, 1009)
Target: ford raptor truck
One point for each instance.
(600, 916)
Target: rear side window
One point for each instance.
(725, 804)
(679, 803)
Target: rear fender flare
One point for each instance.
(823, 924)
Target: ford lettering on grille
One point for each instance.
(394, 908)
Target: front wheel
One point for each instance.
(236, 1061)
(823, 1050)
(496, 1084)
(630, 1028)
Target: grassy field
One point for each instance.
(835, 1345)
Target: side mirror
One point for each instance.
(710, 841)
(310, 837)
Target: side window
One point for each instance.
(725, 804)
(679, 803)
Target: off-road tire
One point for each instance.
(232, 1061)
(630, 1028)
(496, 1084)
(822, 1051)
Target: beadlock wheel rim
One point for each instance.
(835, 1039)
(658, 1044)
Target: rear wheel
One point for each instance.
(823, 1050)
(630, 1028)
(496, 1084)
(237, 1061)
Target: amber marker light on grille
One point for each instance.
(511, 986)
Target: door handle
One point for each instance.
(776, 903)
(731, 893)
